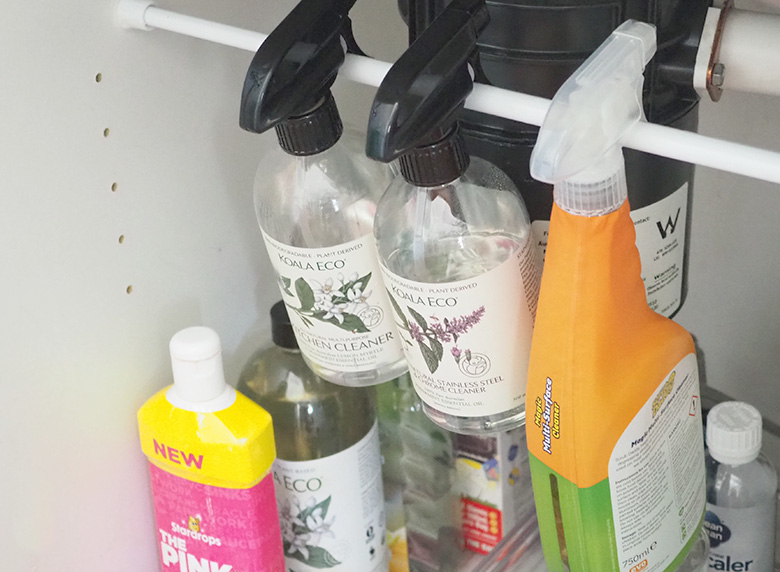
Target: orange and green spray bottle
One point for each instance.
(613, 415)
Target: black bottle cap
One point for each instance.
(436, 164)
(281, 329)
(313, 132)
(418, 101)
(294, 68)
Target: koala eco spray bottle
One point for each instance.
(210, 451)
(315, 197)
(614, 420)
(453, 237)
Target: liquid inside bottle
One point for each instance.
(741, 491)
(328, 469)
(316, 213)
(463, 279)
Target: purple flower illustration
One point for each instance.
(430, 337)
(451, 329)
(416, 332)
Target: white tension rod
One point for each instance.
(648, 137)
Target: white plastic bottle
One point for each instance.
(741, 491)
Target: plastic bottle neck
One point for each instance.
(596, 191)
(198, 376)
(222, 401)
(437, 163)
(313, 132)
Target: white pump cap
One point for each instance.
(734, 432)
(198, 376)
(578, 144)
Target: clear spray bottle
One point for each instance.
(453, 237)
(315, 198)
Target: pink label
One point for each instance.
(212, 529)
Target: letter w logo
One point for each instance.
(670, 225)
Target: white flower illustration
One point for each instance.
(334, 311)
(299, 544)
(318, 526)
(343, 281)
(357, 300)
(324, 292)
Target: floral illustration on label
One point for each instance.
(341, 302)
(431, 337)
(303, 529)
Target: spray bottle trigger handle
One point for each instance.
(595, 106)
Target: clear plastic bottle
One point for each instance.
(328, 468)
(741, 491)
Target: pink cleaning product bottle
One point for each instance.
(210, 453)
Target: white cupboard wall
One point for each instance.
(127, 214)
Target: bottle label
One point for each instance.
(741, 539)
(660, 239)
(467, 342)
(656, 474)
(337, 304)
(203, 528)
(332, 510)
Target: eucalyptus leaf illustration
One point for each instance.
(398, 311)
(430, 358)
(437, 348)
(305, 294)
(418, 318)
(286, 286)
